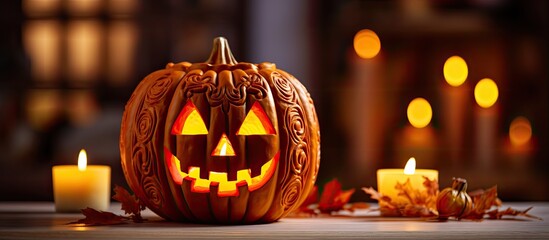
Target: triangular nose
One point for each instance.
(224, 147)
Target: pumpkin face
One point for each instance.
(221, 141)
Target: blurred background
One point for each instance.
(67, 67)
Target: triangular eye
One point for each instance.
(256, 122)
(189, 122)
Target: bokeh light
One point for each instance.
(486, 93)
(520, 131)
(419, 112)
(366, 43)
(455, 71)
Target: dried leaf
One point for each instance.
(333, 198)
(418, 203)
(431, 186)
(356, 206)
(130, 203)
(497, 214)
(483, 200)
(97, 218)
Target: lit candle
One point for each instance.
(82, 186)
(387, 179)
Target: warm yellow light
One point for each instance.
(410, 167)
(366, 43)
(224, 147)
(189, 122)
(82, 160)
(194, 125)
(225, 187)
(486, 93)
(419, 112)
(256, 122)
(455, 71)
(520, 131)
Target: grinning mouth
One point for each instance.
(226, 188)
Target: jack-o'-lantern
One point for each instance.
(220, 141)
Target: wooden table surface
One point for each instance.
(37, 220)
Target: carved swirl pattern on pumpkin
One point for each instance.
(152, 190)
(291, 192)
(142, 156)
(297, 154)
(159, 89)
(296, 125)
(284, 88)
(143, 149)
(146, 119)
(253, 84)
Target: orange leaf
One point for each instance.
(431, 186)
(497, 214)
(130, 203)
(333, 198)
(483, 200)
(96, 218)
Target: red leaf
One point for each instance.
(96, 218)
(130, 203)
(333, 198)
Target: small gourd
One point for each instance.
(454, 201)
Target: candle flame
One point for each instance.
(410, 167)
(82, 160)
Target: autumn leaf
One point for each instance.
(333, 198)
(497, 214)
(431, 186)
(130, 203)
(483, 200)
(356, 206)
(311, 198)
(97, 218)
(415, 202)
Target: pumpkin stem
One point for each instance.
(459, 184)
(221, 53)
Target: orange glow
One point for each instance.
(410, 167)
(419, 112)
(256, 122)
(520, 131)
(41, 7)
(83, 7)
(224, 147)
(455, 71)
(82, 160)
(189, 122)
(366, 43)
(42, 39)
(43, 108)
(122, 42)
(486, 93)
(84, 44)
(225, 188)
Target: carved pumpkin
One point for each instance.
(220, 141)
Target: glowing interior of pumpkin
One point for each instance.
(256, 122)
(190, 122)
(226, 188)
(224, 147)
